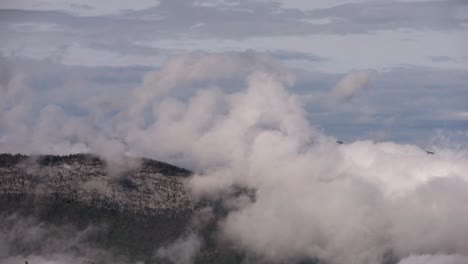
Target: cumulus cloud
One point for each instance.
(193, 68)
(313, 198)
(350, 85)
(351, 203)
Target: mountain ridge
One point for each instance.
(150, 187)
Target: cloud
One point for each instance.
(312, 198)
(80, 7)
(352, 203)
(295, 55)
(192, 68)
(350, 85)
(136, 36)
(440, 58)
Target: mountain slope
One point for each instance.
(132, 213)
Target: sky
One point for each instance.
(416, 50)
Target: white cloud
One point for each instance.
(342, 203)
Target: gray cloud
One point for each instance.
(370, 16)
(234, 21)
(353, 83)
(126, 47)
(440, 58)
(295, 55)
(269, 18)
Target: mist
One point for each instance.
(27, 239)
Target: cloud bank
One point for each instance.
(361, 202)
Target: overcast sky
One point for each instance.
(417, 52)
